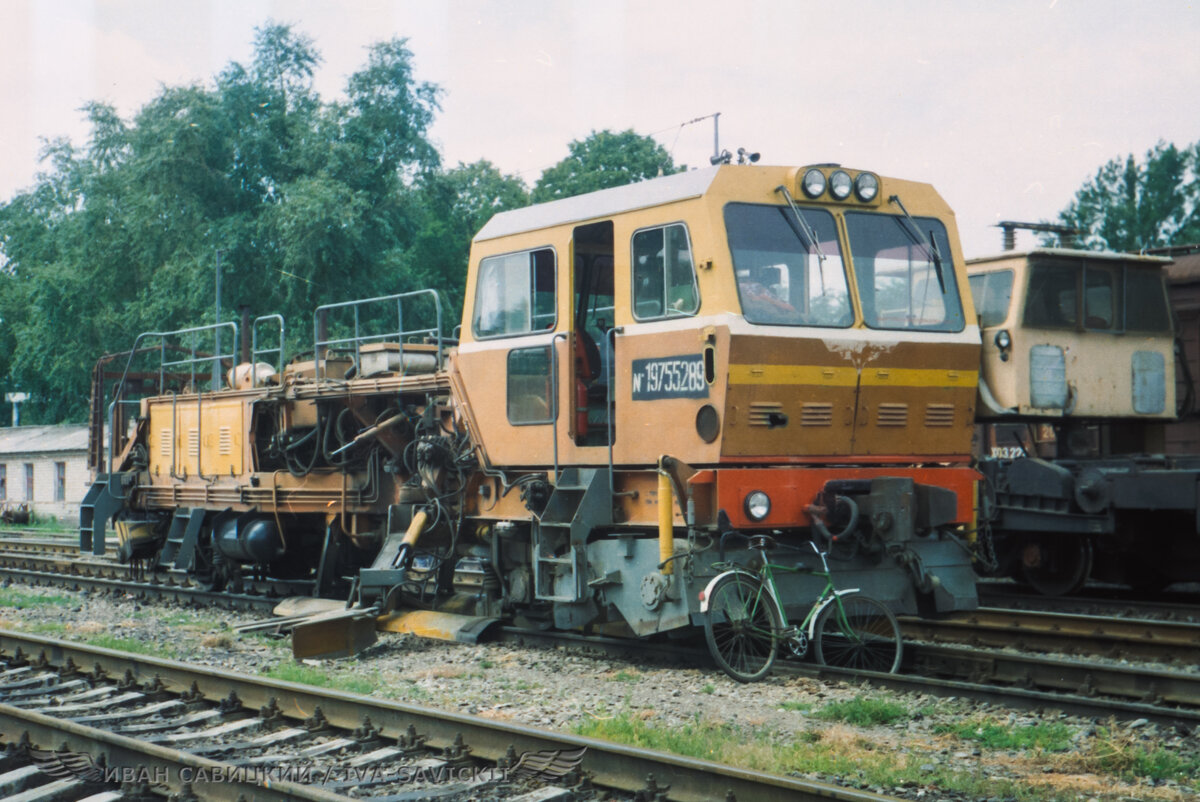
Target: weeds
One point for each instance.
(20, 601)
(308, 675)
(863, 712)
(991, 734)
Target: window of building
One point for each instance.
(29, 481)
(664, 278)
(60, 481)
(515, 294)
(3, 483)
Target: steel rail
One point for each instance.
(610, 765)
(171, 592)
(1062, 632)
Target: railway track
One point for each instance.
(983, 655)
(217, 734)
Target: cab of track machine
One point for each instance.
(1078, 379)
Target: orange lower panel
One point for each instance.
(793, 489)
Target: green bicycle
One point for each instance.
(745, 624)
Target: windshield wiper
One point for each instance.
(930, 245)
(809, 233)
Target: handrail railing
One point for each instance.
(256, 352)
(358, 338)
(191, 361)
(562, 335)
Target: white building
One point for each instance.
(46, 468)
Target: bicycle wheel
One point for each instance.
(867, 637)
(741, 627)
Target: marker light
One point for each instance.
(1003, 340)
(840, 184)
(866, 187)
(758, 505)
(813, 183)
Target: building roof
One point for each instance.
(43, 439)
(605, 202)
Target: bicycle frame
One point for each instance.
(766, 579)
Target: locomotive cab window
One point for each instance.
(515, 294)
(783, 276)
(992, 293)
(905, 277)
(530, 400)
(664, 277)
(1115, 297)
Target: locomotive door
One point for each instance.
(591, 373)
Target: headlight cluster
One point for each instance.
(865, 187)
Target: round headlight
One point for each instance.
(813, 183)
(839, 185)
(1003, 340)
(758, 505)
(866, 187)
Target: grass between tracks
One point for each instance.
(1030, 763)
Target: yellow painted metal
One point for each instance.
(919, 377)
(816, 375)
(414, 529)
(666, 521)
(436, 625)
(190, 438)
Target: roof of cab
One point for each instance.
(603, 203)
(1071, 252)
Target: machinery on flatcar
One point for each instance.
(640, 371)
(1078, 379)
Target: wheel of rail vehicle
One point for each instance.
(742, 626)
(867, 639)
(1056, 564)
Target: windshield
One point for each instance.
(898, 282)
(781, 278)
(1115, 297)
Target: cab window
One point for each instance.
(515, 294)
(905, 273)
(664, 277)
(783, 277)
(1051, 299)
(992, 293)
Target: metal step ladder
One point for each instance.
(581, 501)
(179, 549)
(104, 499)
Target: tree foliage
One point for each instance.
(307, 202)
(604, 159)
(1130, 205)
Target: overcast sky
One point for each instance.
(1005, 107)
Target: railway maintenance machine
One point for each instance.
(639, 372)
(1080, 374)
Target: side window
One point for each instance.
(992, 293)
(515, 294)
(529, 393)
(3, 482)
(664, 276)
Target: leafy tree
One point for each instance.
(604, 159)
(455, 204)
(308, 202)
(1130, 206)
